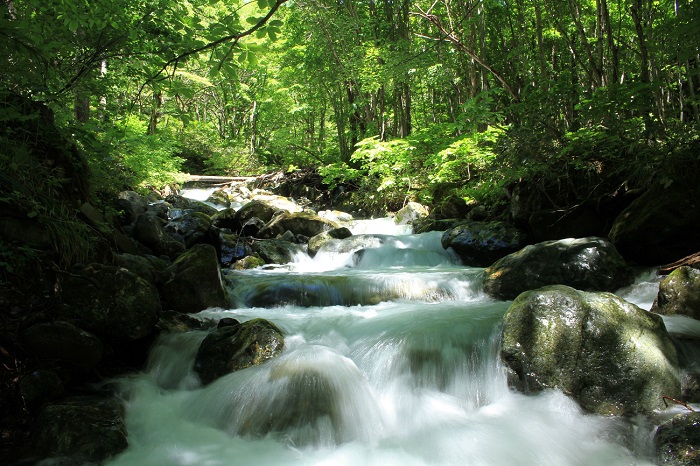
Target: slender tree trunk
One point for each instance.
(156, 112)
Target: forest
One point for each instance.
(394, 100)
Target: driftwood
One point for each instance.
(692, 260)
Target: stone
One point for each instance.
(175, 322)
(659, 227)
(315, 243)
(677, 441)
(585, 263)
(148, 229)
(111, 301)
(249, 262)
(607, 354)
(138, 265)
(192, 226)
(411, 213)
(63, 342)
(41, 386)
(235, 347)
(179, 202)
(232, 248)
(193, 282)
(274, 251)
(299, 223)
(256, 209)
(226, 219)
(480, 244)
(679, 293)
(80, 430)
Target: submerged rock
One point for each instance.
(677, 441)
(609, 355)
(480, 244)
(234, 347)
(586, 263)
(193, 282)
(81, 430)
(679, 293)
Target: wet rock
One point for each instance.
(299, 223)
(659, 227)
(256, 209)
(235, 347)
(249, 262)
(111, 301)
(183, 203)
(138, 265)
(131, 204)
(193, 282)
(316, 242)
(175, 322)
(451, 207)
(232, 248)
(148, 229)
(430, 224)
(679, 293)
(80, 430)
(609, 355)
(480, 244)
(586, 263)
(41, 386)
(274, 251)
(192, 226)
(677, 441)
(411, 213)
(63, 342)
(220, 198)
(226, 219)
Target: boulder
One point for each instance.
(39, 387)
(585, 263)
(411, 213)
(679, 293)
(183, 203)
(235, 347)
(451, 207)
(276, 202)
(148, 229)
(192, 226)
(274, 251)
(193, 282)
(130, 204)
(111, 301)
(256, 209)
(232, 248)
(299, 223)
(226, 219)
(63, 342)
(138, 265)
(677, 441)
(316, 242)
(609, 355)
(480, 244)
(249, 262)
(175, 322)
(659, 227)
(80, 430)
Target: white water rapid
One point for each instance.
(391, 358)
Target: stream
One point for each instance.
(391, 358)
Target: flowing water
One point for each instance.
(391, 358)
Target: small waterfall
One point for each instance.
(391, 357)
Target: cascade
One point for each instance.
(391, 357)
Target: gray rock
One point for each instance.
(609, 355)
(411, 213)
(480, 244)
(586, 263)
(316, 242)
(138, 265)
(256, 209)
(299, 223)
(193, 282)
(148, 229)
(235, 347)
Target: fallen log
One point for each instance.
(692, 260)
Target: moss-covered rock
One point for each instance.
(480, 244)
(677, 441)
(80, 430)
(316, 242)
(299, 223)
(235, 347)
(679, 293)
(110, 301)
(274, 251)
(609, 355)
(192, 226)
(586, 263)
(193, 282)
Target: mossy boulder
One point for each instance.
(677, 441)
(256, 209)
(609, 355)
(586, 263)
(80, 430)
(110, 301)
(316, 242)
(63, 342)
(193, 282)
(232, 248)
(299, 223)
(234, 347)
(480, 244)
(659, 227)
(274, 251)
(192, 227)
(679, 293)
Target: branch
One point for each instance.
(435, 21)
(233, 38)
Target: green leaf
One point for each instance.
(272, 35)
(263, 4)
(260, 33)
(252, 59)
(253, 20)
(276, 23)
